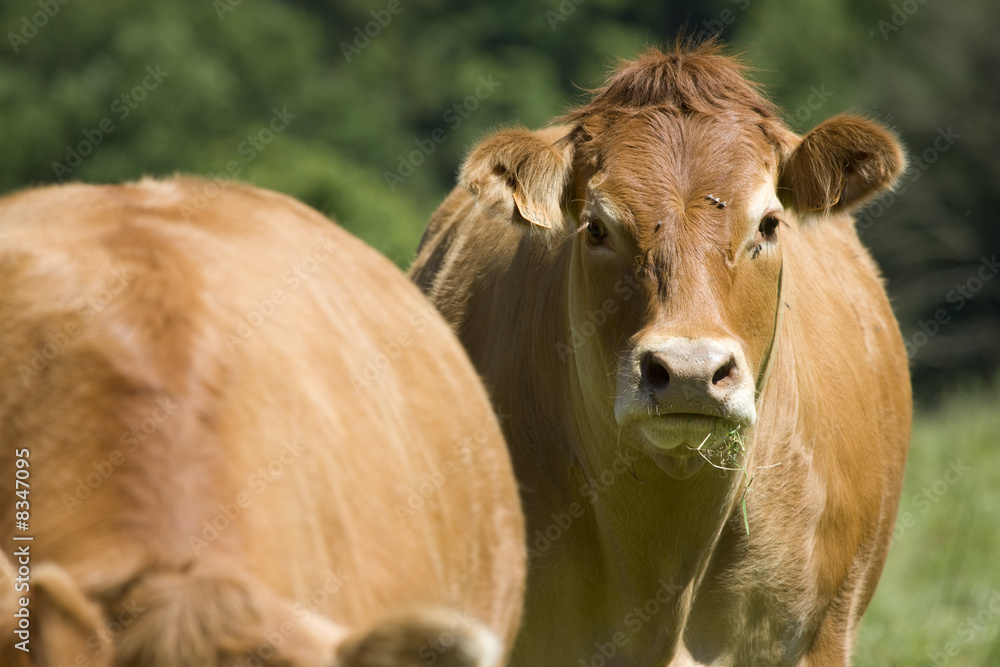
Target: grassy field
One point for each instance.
(938, 602)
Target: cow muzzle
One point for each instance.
(682, 394)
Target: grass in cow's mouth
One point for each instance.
(732, 456)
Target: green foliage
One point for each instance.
(943, 568)
(382, 120)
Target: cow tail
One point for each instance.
(429, 636)
(225, 619)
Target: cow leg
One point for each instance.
(832, 643)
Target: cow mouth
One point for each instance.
(682, 443)
(685, 434)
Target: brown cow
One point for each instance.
(709, 397)
(243, 438)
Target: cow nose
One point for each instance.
(691, 375)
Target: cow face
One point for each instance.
(688, 208)
(675, 217)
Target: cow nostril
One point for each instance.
(727, 369)
(656, 373)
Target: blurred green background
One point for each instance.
(339, 104)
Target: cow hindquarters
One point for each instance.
(202, 618)
(219, 619)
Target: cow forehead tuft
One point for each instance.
(700, 81)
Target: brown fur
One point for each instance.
(252, 441)
(840, 165)
(551, 319)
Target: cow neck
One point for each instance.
(765, 368)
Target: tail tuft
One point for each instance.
(199, 618)
(422, 637)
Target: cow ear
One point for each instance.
(841, 164)
(521, 175)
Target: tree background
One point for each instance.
(365, 96)
(112, 91)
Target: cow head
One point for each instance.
(674, 186)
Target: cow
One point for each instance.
(233, 434)
(708, 392)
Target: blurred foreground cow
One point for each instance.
(238, 436)
(709, 397)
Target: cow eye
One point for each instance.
(596, 230)
(768, 227)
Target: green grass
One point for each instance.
(732, 454)
(944, 564)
